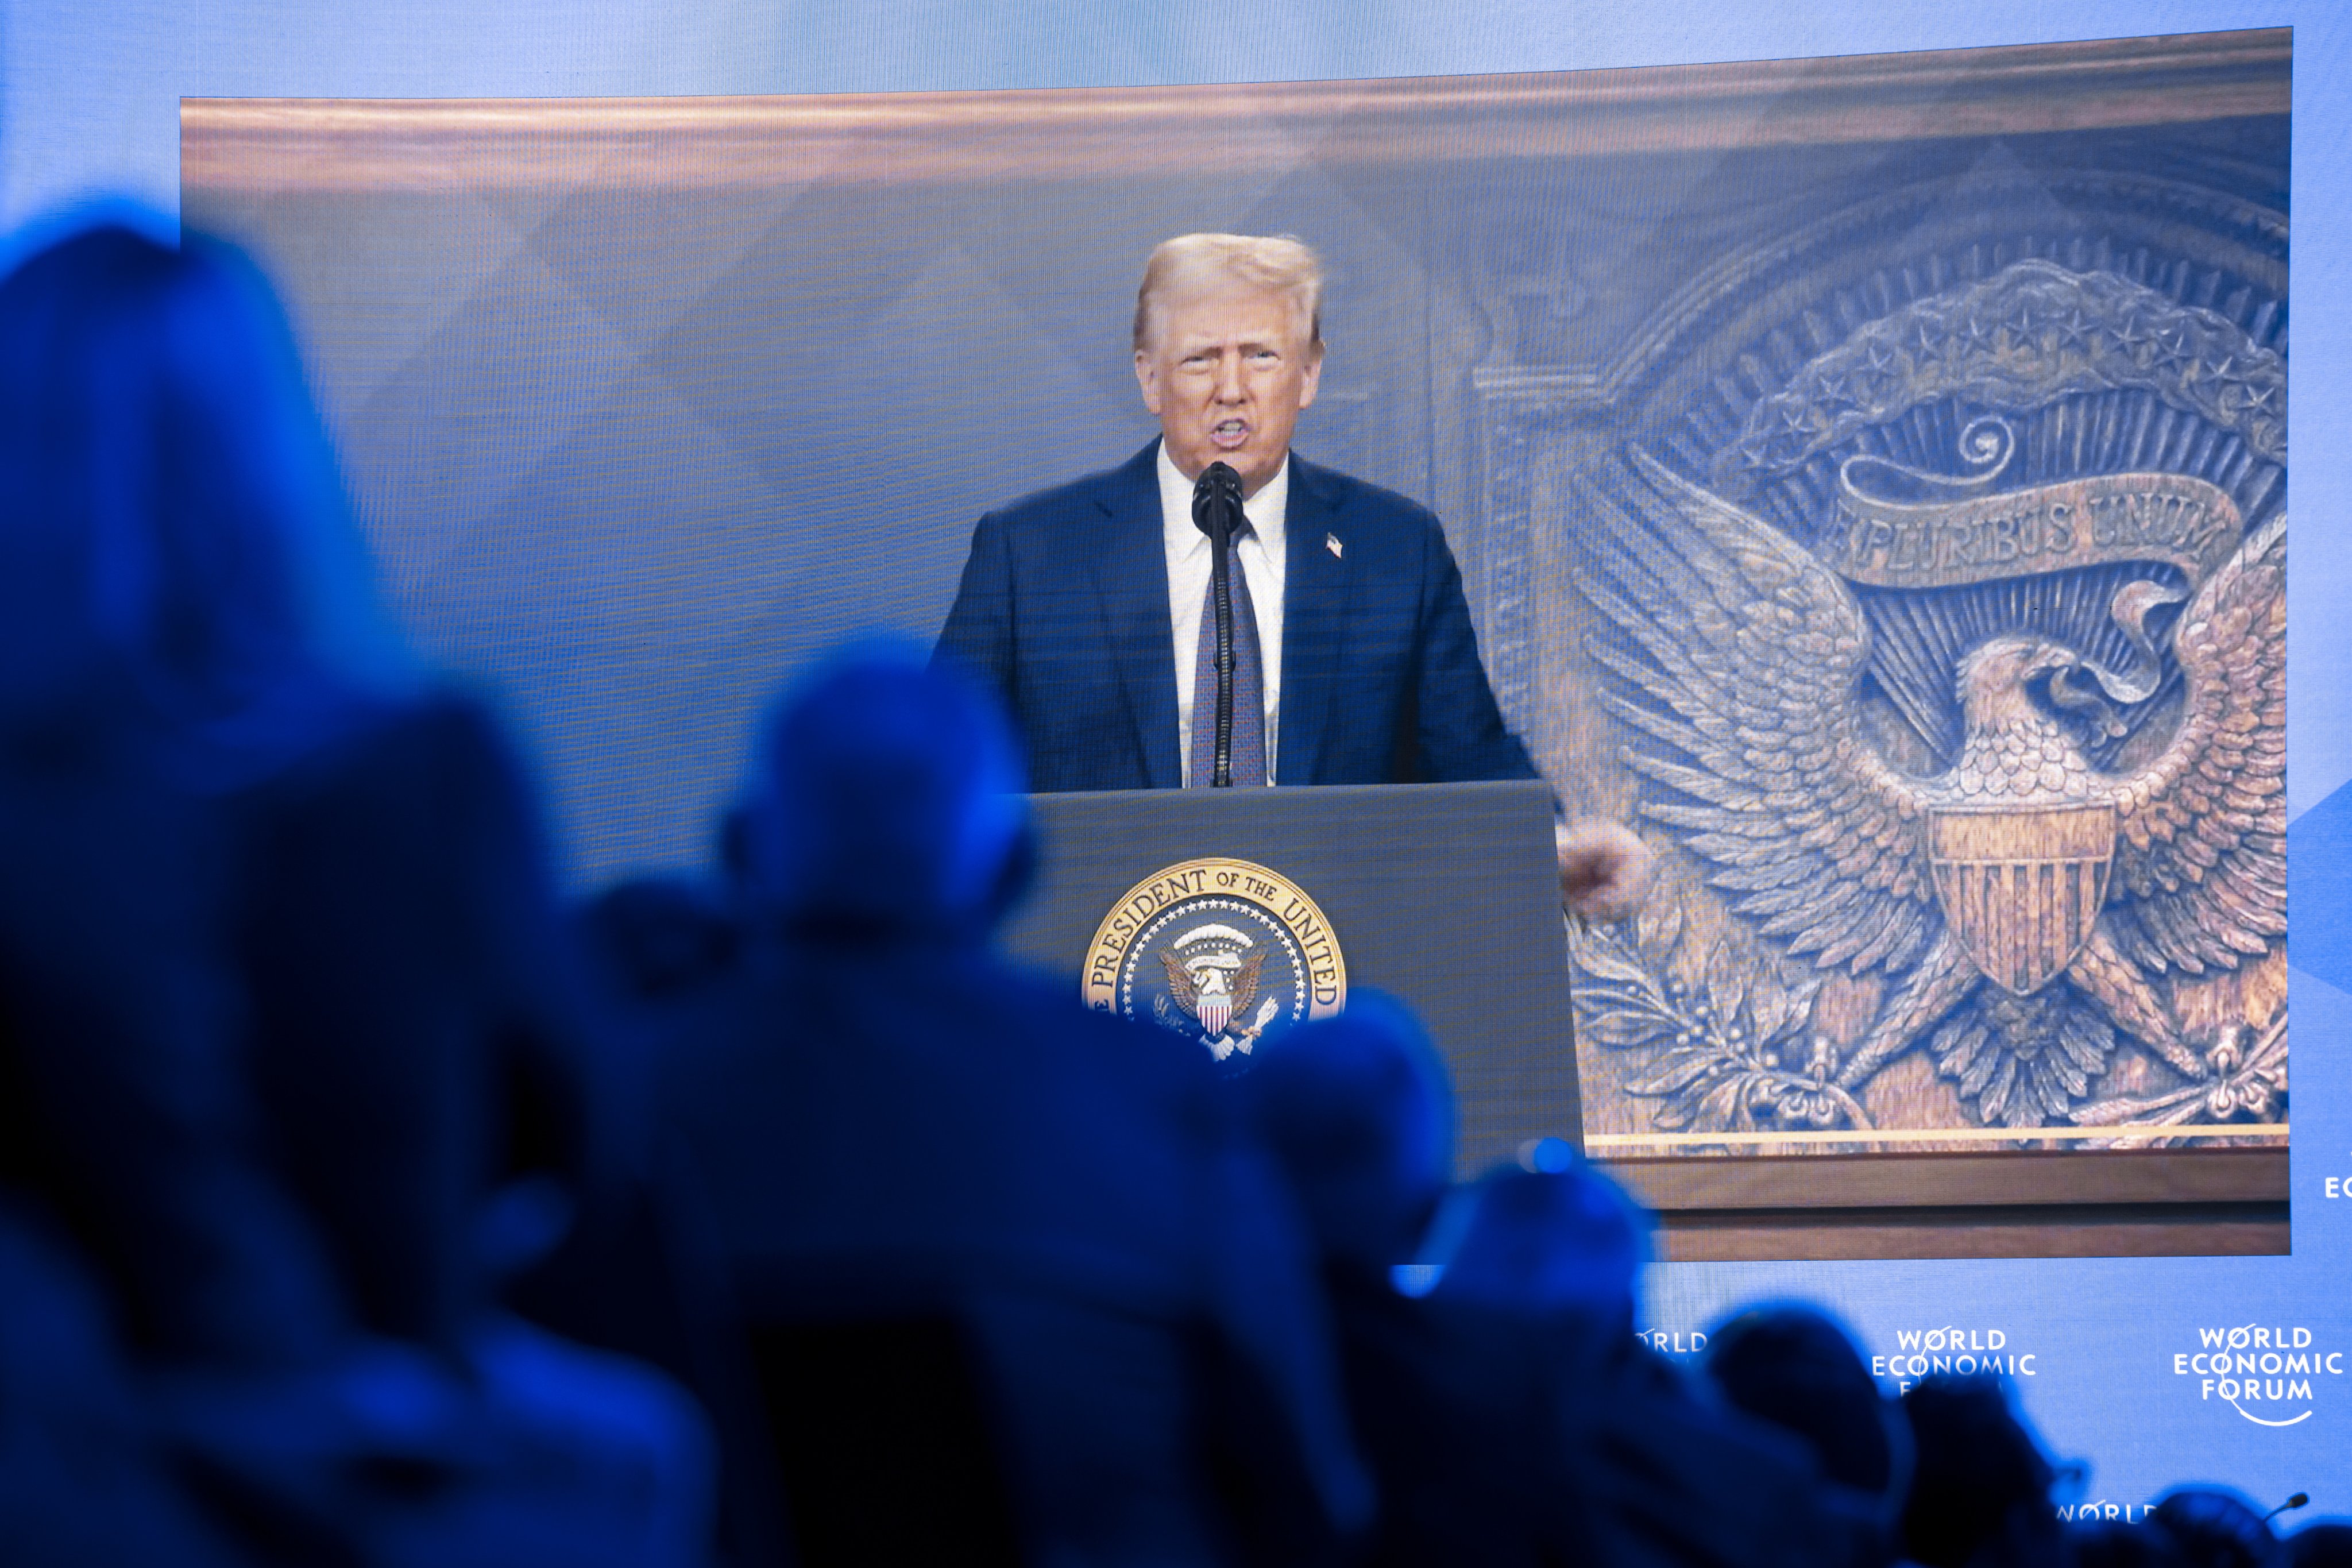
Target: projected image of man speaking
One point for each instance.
(1346, 644)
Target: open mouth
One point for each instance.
(1228, 434)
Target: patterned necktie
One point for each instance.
(1247, 758)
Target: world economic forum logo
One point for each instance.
(2268, 1375)
(1225, 951)
(1953, 1352)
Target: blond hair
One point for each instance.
(1281, 262)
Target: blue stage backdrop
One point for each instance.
(644, 401)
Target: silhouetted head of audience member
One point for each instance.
(1559, 1238)
(1981, 1484)
(1793, 1365)
(656, 938)
(176, 551)
(2123, 1543)
(1360, 1112)
(2322, 1543)
(889, 804)
(2216, 1528)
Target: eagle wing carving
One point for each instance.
(1753, 649)
(1245, 982)
(2200, 868)
(1180, 986)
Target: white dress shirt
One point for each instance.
(1258, 556)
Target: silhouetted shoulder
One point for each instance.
(446, 734)
(407, 789)
(1152, 1056)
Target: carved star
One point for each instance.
(1881, 358)
(2075, 331)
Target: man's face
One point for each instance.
(1227, 370)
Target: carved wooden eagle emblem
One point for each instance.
(2021, 866)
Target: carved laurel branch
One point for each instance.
(2247, 1089)
(1730, 1052)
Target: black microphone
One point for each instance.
(2292, 1503)
(1217, 511)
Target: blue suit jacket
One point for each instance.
(1064, 606)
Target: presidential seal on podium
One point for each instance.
(1224, 952)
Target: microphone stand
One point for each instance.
(1216, 511)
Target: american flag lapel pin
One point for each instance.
(1332, 543)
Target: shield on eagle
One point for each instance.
(1214, 1009)
(2022, 886)
(1213, 973)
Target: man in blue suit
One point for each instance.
(1354, 661)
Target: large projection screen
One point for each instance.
(644, 401)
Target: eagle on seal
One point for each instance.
(2021, 866)
(1220, 999)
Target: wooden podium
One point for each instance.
(1444, 895)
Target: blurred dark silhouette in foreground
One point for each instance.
(1486, 1336)
(2124, 1544)
(1982, 1484)
(284, 1040)
(917, 1156)
(2214, 1528)
(1793, 1365)
(2322, 1543)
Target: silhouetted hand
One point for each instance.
(1605, 869)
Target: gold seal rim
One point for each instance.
(1313, 932)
